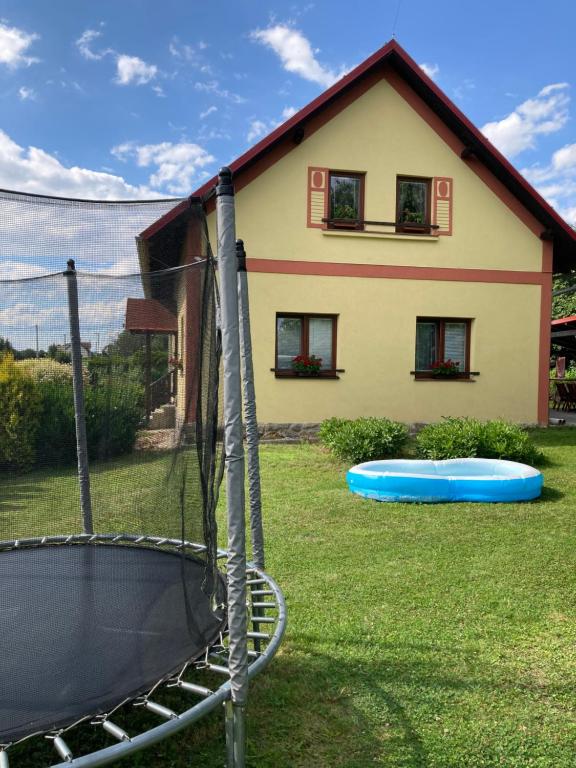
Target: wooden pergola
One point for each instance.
(149, 317)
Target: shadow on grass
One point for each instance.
(313, 701)
(16, 494)
(550, 494)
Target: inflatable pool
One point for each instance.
(440, 481)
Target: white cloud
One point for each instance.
(556, 181)
(296, 54)
(14, 44)
(131, 69)
(288, 112)
(544, 114)
(207, 112)
(257, 129)
(27, 94)
(177, 166)
(430, 69)
(14, 270)
(30, 169)
(84, 45)
(213, 86)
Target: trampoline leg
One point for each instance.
(229, 726)
(235, 716)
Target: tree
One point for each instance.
(5, 345)
(564, 305)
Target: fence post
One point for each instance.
(79, 411)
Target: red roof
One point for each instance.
(148, 315)
(393, 55)
(564, 320)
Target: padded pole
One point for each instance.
(78, 385)
(234, 450)
(250, 420)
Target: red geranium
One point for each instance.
(445, 368)
(306, 364)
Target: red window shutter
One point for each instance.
(442, 193)
(318, 179)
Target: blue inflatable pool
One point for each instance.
(441, 481)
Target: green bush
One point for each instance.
(46, 369)
(19, 412)
(363, 439)
(454, 438)
(113, 413)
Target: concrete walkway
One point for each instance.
(568, 416)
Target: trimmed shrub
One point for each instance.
(363, 439)
(19, 413)
(113, 413)
(454, 438)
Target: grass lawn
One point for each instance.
(441, 636)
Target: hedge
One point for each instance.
(454, 438)
(363, 439)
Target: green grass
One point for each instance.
(436, 636)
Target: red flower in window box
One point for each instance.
(445, 368)
(308, 365)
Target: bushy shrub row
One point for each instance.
(369, 439)
(19, 415)
(363, 439)
(454, 438)
(37, 415)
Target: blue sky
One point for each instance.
(124, 99)
(134, 98)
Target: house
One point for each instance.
(385, 234)
(85, 348)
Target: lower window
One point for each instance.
(442, 347)
(309, 338)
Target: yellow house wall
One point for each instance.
(381, 134)
(376, 343)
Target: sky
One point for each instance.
(134, 99)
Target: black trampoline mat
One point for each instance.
(84, 627)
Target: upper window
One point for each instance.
(442, 347)
(308, 336)
(412, 204)
(346, 200)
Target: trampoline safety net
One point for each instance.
(109, 589)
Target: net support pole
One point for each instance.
(250, 420)
(78, 385)
(234, 450)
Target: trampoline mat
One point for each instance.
(85, 627)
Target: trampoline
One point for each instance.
(112, 588)
(124, 606)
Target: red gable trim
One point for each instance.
(394, 55)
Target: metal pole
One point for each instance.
(37, 346)
(148, 378)
(79, 413)
(250, 420)
(234, 449)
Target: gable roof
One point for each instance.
(392, 55)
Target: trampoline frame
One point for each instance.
(268, 609)
(245, 580)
